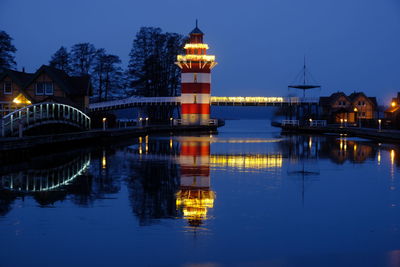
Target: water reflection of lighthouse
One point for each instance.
(195, 196)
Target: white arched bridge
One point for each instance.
(41, 114)
(214, 100)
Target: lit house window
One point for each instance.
(7, 88)
(44, 88)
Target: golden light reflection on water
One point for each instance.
(195, 203)
(247, 161)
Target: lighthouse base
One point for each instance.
(195, 119)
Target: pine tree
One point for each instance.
(7, 51)
(152, 71)
(61, 60)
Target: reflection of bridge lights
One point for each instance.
(170, 143)
(258, 161)
(310, 142)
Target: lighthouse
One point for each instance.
(196, 68)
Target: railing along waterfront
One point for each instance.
(42, 113)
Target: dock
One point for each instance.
(97, 135)
(384, 135)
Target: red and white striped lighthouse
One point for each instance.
(196, 68)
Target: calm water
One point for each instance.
(245, 197)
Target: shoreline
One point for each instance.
(45, 142)
(383, 136)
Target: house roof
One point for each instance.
(20, 78)
(372, 100)
(328, 100)
(72, 85)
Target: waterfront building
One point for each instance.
(47, 84)
(196, 68)
(392, 113)
(339, 107)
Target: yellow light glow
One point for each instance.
(379, 157)
(258, 161)
(104, 162)
(355, 109)
(195, 203)
(241, 99)
(392, 156)
(21, 99)
(393, 104)
(207, 58)
(196, 46)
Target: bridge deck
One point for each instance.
(215, 100)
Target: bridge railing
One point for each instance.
(40, 113)
(135, 100)
(290, 123)
(245, 100)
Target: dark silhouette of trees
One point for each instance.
(108, 75)
(82, 57)
(7, 51)
(152, 71)
(61, 60)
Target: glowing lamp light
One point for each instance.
(104, 119)
(196, 46)
(393, 104)
(355, 109)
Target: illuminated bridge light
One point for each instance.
(250, 99)
(258, 161)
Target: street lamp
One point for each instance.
(171, 121)
(147, 121)
(104, 123)
(341, 123)
(380, 124)
(393, 104)
(140, 121)
(345, 122)
(310, 121)
(357, 116)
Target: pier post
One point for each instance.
(20, 128)
(2, 127)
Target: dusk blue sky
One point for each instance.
(349, 44)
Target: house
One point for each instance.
(392, 114)
(340, 107)
(47, 84)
